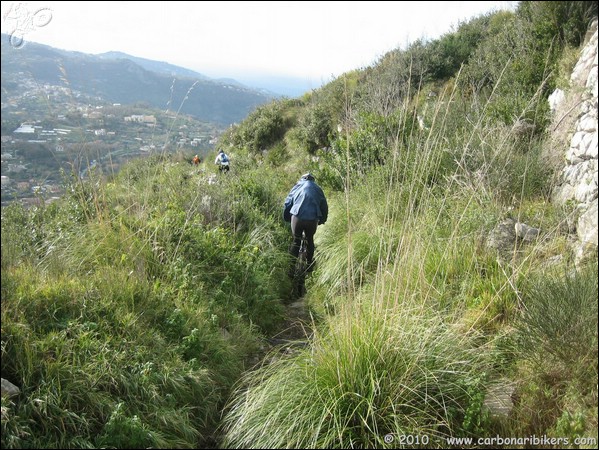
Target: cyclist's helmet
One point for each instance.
(308, 176)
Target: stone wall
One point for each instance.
(578, 179)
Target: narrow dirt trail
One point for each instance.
(297, 325)
(294, 334)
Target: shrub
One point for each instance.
(558, 326)
(263, 128)
(315, 128)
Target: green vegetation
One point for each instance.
(556, 339)
(129, 307)
(134, 309)
(371, 372)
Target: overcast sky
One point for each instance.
(312, 40)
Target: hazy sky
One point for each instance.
(312, 40)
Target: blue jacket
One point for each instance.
(306, 200)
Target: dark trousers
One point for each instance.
(309, 228)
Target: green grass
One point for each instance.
(410, 292)
(131, 307)
(368, 373)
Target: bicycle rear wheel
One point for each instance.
(301, 266)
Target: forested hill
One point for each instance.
(449, 306)
(119, 78)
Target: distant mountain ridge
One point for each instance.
(155, 66)
(120, 78)
(269, 85)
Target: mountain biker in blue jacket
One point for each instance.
(305, 207)
(222, 161)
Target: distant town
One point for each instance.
(48, 130)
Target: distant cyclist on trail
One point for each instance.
(222, 161)
(305, 207)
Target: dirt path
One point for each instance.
(297, 325)
(293, 335)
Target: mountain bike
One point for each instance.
(301, 267)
